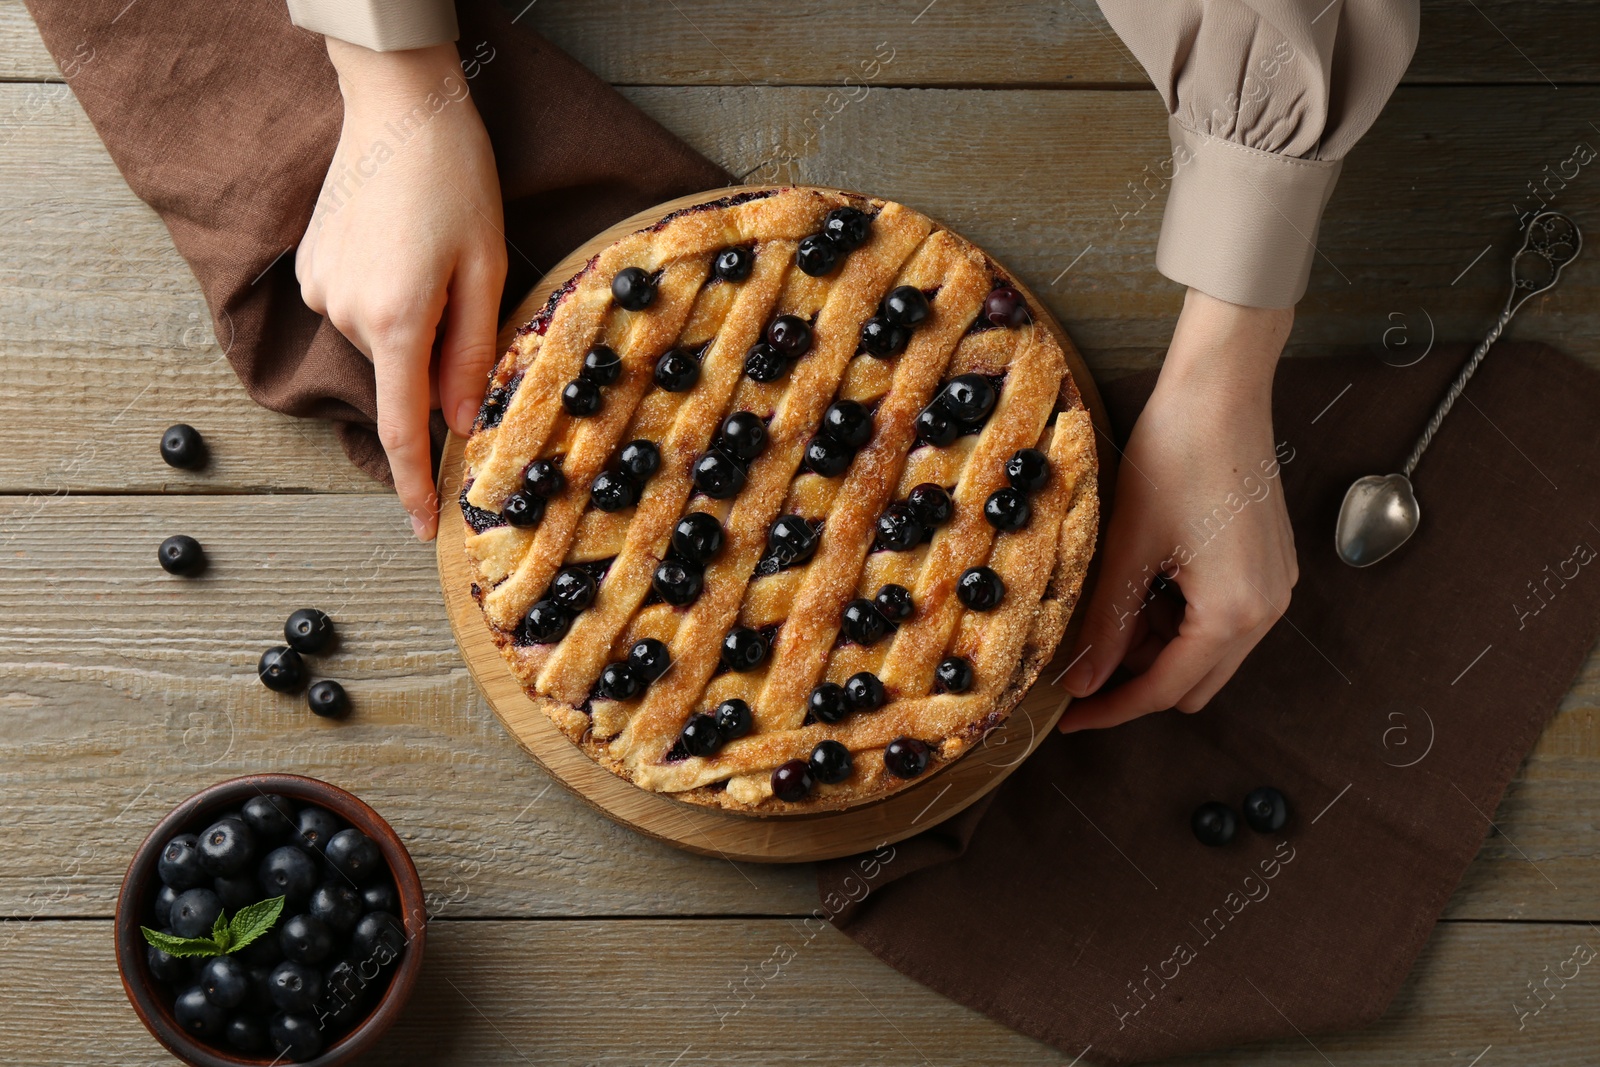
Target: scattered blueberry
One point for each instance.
(1214, 823)
(676, 582)
(865, 692)
(791, 540)
(882, 338)
(633, 288)
(546, 623)
(182, 555)
(734, 719)
(224, 981)
(581, 398)
(328, 699)
(649, 658)
(601, 365)
(930, 504)
(1007, 510)
(793, 780)
(640, 459)
(830, 762)
(828, 703)
(194, 912)
(734, 264)
(743, 436)
(906, 757)
(864, 623)
(196, 1014)
(308, 630)
(573, 588)
(790, 335)
(763, 363)
(619, 681)
(289, 872)
(183, 447)
(718, 475)
(543, 479)
(677, 371)
(847, 227)
(816, 255)
(894, 602)
(848, 423)
(898, 528)
(523, 509)
(226, 848)
(700, 736)
(954, 674)
(281, 669)
(1028, 470)
(935, 428)
(743, 649)
(905, 306)
(613, 491)
(697, 537)
(1004, 306)
(828, 457)
(968, 398)
(1266, 810)
(354, 855)
(179, 865)
(980, 589)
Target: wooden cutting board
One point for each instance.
(712, 831)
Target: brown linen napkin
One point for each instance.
(1392, 706)
(223, 117)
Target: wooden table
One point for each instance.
(560, 938)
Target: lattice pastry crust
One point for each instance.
(758, 304)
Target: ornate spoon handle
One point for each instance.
(1551, 242)
(1455, 391)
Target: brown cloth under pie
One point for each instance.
(1392, 706)
(224, 117)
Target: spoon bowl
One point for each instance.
(1379, 514)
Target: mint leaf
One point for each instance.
(181, 947)
(220, 932)
(252, 921)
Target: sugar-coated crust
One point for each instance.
(1043, 565)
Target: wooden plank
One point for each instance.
(1074, 208)
(124, 690)
(740, 991)
(997, 43)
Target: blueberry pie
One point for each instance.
(780, 504)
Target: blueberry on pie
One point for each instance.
(784, 502)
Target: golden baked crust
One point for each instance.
(798, 608)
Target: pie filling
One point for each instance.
(781, 502)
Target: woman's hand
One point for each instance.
(1199, 507)
(405, 252)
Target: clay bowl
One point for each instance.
(149, 998)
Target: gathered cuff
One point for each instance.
(381, 25)
(1241, 224)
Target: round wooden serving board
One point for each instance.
(712, 831)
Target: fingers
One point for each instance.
(1114, 621)
(1176, 671)
(469, 350)
(400, 362)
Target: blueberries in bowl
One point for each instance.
(272, 931)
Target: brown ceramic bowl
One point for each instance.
(153, 1003)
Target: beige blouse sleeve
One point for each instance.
(381, 25)
(1264, 98)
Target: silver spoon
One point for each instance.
(1380, 512)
